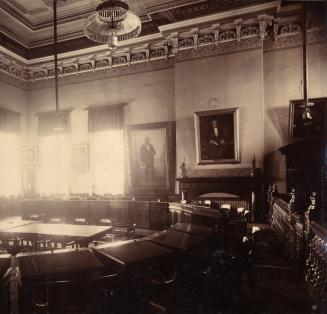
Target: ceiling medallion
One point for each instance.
(112, 22)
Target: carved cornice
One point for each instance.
(213, 50)
(13, 81)
(295, 40)
(242, 34)
(155, 65)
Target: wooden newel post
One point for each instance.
(291, 203)
(308, 215)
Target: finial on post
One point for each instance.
(254, 167)
(291, 203)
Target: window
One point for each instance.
(54, 157)
(10, 162)
(108, 162)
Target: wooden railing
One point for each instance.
(316, 266)
(308, 244)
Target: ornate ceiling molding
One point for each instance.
(262, 32)
(167, 5)
(135, 68)
(31, 23)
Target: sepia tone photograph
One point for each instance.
(163, 157)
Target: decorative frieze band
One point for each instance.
(215, 39)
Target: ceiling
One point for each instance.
(26, 26)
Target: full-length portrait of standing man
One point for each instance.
(147, 153)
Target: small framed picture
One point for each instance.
(217, 136)
(308, 122)
(80, 157)
(30, 155)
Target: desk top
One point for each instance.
(5, 262)
(175, 239)
(193, 229)
(63, 230)
(16, 221)
(133, 251)
(57, 262)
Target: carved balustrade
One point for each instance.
(316, 266)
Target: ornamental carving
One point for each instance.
(316, 274)
(206, 39)
(157, 53)
(251, 30)
(39, 75)
(119, 60)
(69, 69)
(26, 75)
(5, 67)
(138, 57)
(227, 35)
(185, 43)
(211, 40)
(51, 72)
(290, 29)
(85, 67)
(101, 64)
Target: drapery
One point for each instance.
(54, 164)
(10, 158)
(108, 162)
(10, 164)
(103, 118)
(50, 123)
(9, 121)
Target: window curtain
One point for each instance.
(103, 118)
(54, 152)
(50, 122)
(9, 121)
(108, 160)
(54, 159)
(10, 158)
(106, 125)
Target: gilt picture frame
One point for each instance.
(217, 136)
(151, 158)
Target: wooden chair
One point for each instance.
(80, 213)
(59, 213)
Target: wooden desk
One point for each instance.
(175, 239)
(5, 262)
(58, 262)
(57, 278)
(193, 229)
(12, 222)
(83, 233)
(131, 253)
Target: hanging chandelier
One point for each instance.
(112, 22)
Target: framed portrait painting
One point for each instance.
(80, 157)
(30, 155)
(308, 122)
(217, 136)
(151, 157)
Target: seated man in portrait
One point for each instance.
(216, 141)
